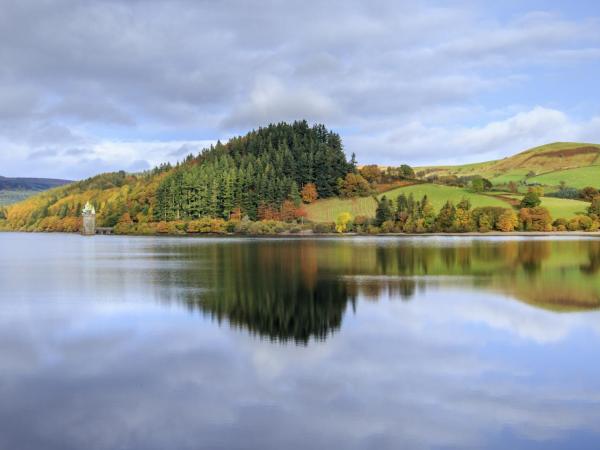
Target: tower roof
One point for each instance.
(88, 209)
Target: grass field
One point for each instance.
(328, 210)
(577, 178)
(562, 207)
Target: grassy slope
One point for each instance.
(562, 207)
(328, 210)
(578, 178)
(546, 159)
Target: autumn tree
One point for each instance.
(445, 219)
(588, 193)
(342, 222)
(354, 185)
(309, 193)
(371, 173)
(535, 219)
(463, 221)
(508, 221)
(288, 211)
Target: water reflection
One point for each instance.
(116, 343)
(298, 290)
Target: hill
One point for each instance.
(547, 164)
(264, 175)
(252, 175)
(13, 190)
(29, 184)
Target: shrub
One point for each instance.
(530, 200)
(560, 224)
(324, 227)
(372, 229)
(162, 227)
(588, 193)
(580, 223)
(388, 226)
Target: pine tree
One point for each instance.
(383, 213)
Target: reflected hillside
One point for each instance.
(299, 290)
(273, 289)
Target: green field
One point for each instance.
(562, 207)
(577, 178)
(328, 210)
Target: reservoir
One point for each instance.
(113, 342)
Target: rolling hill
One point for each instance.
(577, 164)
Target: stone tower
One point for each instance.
(89, 220)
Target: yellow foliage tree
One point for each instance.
(508, 221)
(341, 224)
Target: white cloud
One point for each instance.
(271, 101)
(417, 143)
(144, 72)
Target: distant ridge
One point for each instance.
(30, 184)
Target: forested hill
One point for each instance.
(247, 176)
(262, 169)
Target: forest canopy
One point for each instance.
(264, 168)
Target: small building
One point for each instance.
(88, 227)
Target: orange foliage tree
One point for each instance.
(309, 193)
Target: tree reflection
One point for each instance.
(299, 290)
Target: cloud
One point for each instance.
(420, 143)
(43, 154)
(94, 72)
(270, 101)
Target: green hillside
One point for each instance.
(577, 178)
(561, 207)
(544, 164)
(327, 210)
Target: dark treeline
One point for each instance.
(266, 167)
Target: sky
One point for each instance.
(89, 87)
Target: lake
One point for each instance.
(354, 343)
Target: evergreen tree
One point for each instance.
(383, 212)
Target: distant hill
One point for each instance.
(14, 190)
(577, 164)
(30, 184)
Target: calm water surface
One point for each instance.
(366, 343)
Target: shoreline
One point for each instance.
(304, 235)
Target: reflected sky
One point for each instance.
(153, 343)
